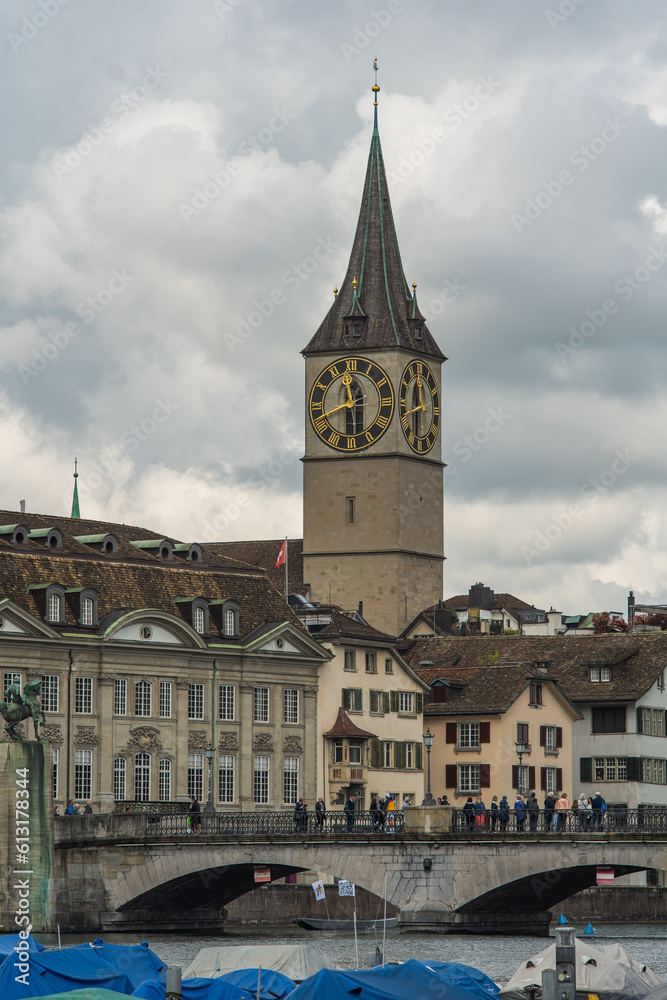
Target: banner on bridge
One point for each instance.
(345, 888)
(604, 876)
(263, 874)
(318, 889)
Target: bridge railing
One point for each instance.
(644, 819)
(267, 823)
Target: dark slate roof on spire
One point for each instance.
(382, 294)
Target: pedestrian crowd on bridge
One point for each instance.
(587, 813)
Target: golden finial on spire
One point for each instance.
(375, 87)
(354, 284)
(414, 287)
(335, 292)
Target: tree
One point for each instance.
(603, 622)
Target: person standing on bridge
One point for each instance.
(562, 808)
(195, 815)
(349, 813)
(494, 813)
(549, 807)
(504, 814)
(320, 813)
(520, 813)
(533, 809)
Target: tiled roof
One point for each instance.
(501, 602)
(381, 294)
(637, 660)
(343, 726)
(344, 626)
(484, 689)
(263, 553)
(134, 580)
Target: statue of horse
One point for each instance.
(17, 707)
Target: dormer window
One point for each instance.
(190, 551)
(230, 618)
(17, 534)
(50, 538)
(108, 544)
(54, 608)
(601, 675)
(160, 547)
(195, 611)
(87, 611)
(198, 620)
(83, 602)
(419, 332)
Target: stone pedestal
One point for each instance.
(435, 820)
(25, 833)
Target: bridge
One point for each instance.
(137, 871)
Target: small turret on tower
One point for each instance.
(75, 496)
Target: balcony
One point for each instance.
(343, 774)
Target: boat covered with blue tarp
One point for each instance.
(8, 943)
(397, 982)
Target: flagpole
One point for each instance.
(286, 576)
(384, 928)
(356, 942)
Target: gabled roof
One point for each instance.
(344, 726)
(374, 286)
(345, 626)
(483, 689)
(501, 602)
(637, 659)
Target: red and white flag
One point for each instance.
(280, 561)
(604, 876)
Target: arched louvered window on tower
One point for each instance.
(354, 415)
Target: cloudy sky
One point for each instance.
(167, 165)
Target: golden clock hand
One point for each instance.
(348, 404)
(414, 410)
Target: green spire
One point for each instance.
(75, 496)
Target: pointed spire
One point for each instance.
(75, 496)
(376, 91)
(374, 308)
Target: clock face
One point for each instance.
(419, 406)
(351, 404)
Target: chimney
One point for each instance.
(22, 506)
(631, 610)
(361, 608)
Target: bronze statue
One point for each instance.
(18, 707)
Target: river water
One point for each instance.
(495, 955)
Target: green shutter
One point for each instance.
(419, 702)
(385, 702)
(394, 700)
(399, 753)
(375, 701)
(375, 753)
(358, 703)
(419, 755)
(346, 699)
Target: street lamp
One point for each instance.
(209, 808)
(521, 749)
(428, 743)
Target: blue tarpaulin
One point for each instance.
(385, 982)
(114, 967)
(466, 976)
(9, 941)
(272, 984)
(193, 989)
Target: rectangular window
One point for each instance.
(388, 666)
(371, 663)
(550, 779)
(87, 611)
(355, 753)
(549, 737)
(291, 706)
(83, 769)
(290, 779)
(261, 780)
(230, 621)
(524, 778)
(353, 700)
(522, 733)
(406, 701)
(468, 734)
(195, 775)
(226, 777)
(83, 701)
(120, 696)
(622, 768)
(386, 753)
(164, 784)
(601, 675)
(54, 608)
(142, 777)
(49, 695)
(165, 699)
(349, 509)
(261, 705)
(198, 620)
(350, 659)
(409, 755)
(468, 777)
(54, 758)
(142, 698)
(226, 699)
(608, 720)
(338, 752)
(652, 721)
(535, 693)
(119, 779)
(376, 702)
(610, 768)
(196, 701)
(9, 680)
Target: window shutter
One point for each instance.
(543, 779)
(634, 768)
(585, 769)
(485, 734)
(531, 778)
(640, 728)
(450, 775)
(399, 753)
(543, 736)
(559, 778)
(419, 755)
(375, 753)
(450, 732)
(394, 700)
(419, 702)
(559, 737)
(346, 699)
(515, 775)
(484, 775)
(385, 702)
(358, 702)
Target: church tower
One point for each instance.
(373, 474)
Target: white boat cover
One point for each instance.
(606, 970)
(296, 961)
